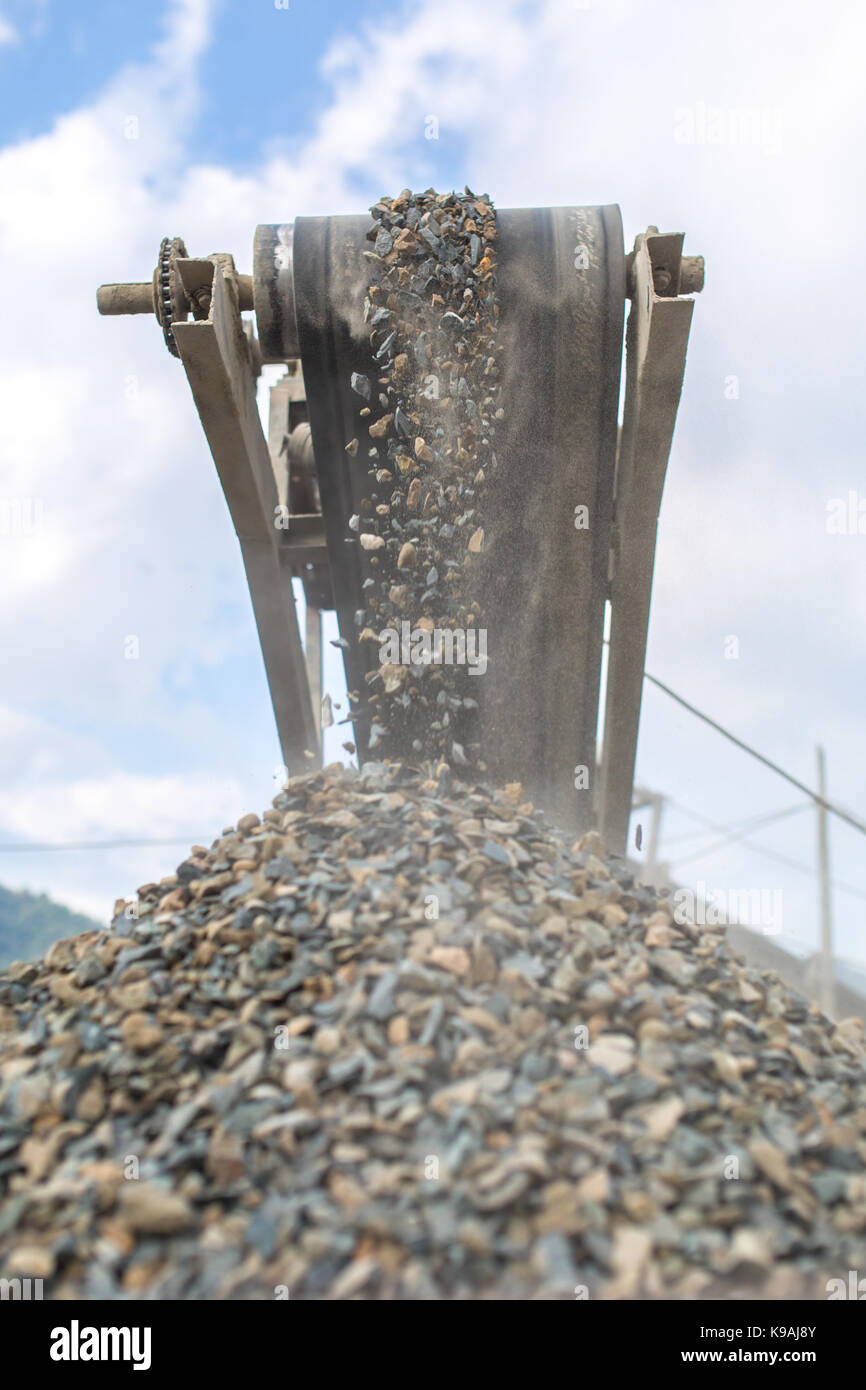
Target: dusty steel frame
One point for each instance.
(656, 339)
(220, 368)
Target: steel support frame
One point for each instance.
(217, 359)
(656, 340)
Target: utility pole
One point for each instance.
(828, 980)
(313, 656)
(654, 872)
(657, 802)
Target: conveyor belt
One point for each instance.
(543, 584)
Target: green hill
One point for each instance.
(29, 923)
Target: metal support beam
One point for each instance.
(216, 358)
(828, 969)
(313, 653)
(656, 340)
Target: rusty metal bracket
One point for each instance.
(656, 340)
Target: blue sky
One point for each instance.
(245, 113)
(63, 52)
(260, 80)
(69, 50)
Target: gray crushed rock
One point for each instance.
(400, 1039)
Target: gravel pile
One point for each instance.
(398, 1039)
(429, 425)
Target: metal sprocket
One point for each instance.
(171, 301)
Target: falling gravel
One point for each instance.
(431, 415)
(398, 1039)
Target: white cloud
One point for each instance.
(119, 806)
(8, 32)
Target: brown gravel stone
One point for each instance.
(140, 1033)
(149, 1210)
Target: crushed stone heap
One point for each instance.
(287, 1075)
